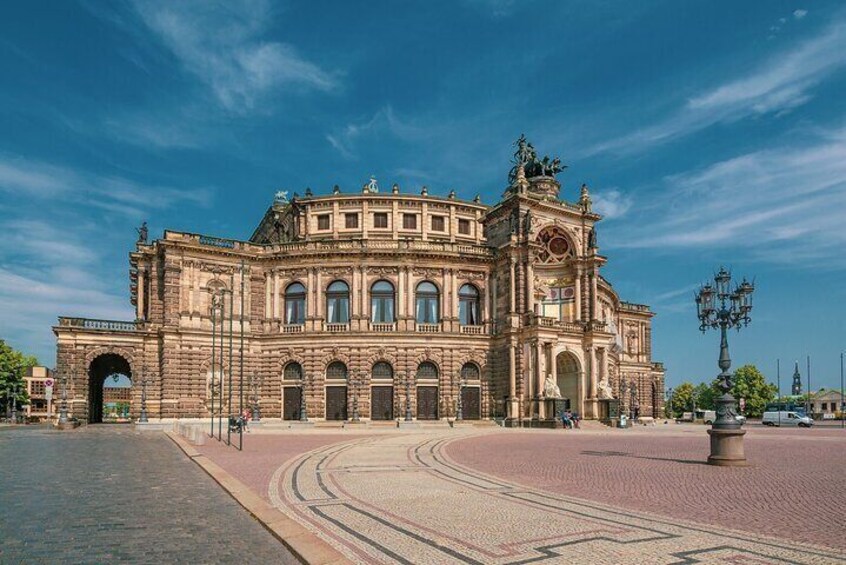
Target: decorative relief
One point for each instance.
(213, 268)
(382, 271)
(335, 354)
(471, 275)
(381, 354)
(427, 273)
(429, 354)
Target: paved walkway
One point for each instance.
(107, 494)
(401, 498)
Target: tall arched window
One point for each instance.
(382, 302)
(468, 305)
(427, 371)
(383, 371)
(336, 370)
(293, 372)
(295, 304)
(428, 298)
(338, 303)
(469, 372)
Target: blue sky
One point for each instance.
(710, 133)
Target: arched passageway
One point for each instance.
(567, 371)
(101, 368)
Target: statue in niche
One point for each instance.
(550, 389)
(604, 389)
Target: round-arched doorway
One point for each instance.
(104, 367)
(568, 372)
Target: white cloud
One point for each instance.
(800, 13)
(384, 121)
(781, 84)
(44, 180)
(779, 204)
(611, 203)
(221, 44)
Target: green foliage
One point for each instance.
(13, 366)
(750, 384)
(705, 396)
(681, 400)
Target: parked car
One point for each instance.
(786, 418)
(710, 416)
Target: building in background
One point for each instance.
(37, 380)
(382, 300)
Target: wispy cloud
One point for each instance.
(800, 13)
(384, 121)
(611, 203)
(782, 83)
(222, 44)
(37, 179)
(782, 204)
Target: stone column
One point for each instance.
(267, 295)
(486, 307)
(275, 295)
(594, 296)
(318, 294)
(578, 304)
(594, 366)
(141, 294)
(604, 374)
(530, 286)
(512, 277)
(539, 378)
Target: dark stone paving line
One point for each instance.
(108, 494)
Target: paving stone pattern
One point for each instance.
(108, 494)
(795, 488)
(403, 499)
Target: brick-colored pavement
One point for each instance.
(796, 488)
(402, 497)
(106, 494)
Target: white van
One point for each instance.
(786, 418)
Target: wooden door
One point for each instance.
(291, 403)
(427, 403)
(336, 403)
(470, 403)
(382, 403)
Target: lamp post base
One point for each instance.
(727, 448)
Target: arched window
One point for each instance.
(427, 371)
(295, 304)
(468, 305)
(469, 372)
(336, 370)
(383, 371)
(428, 298)
(382, 302)
(338, 303)
(293, 372)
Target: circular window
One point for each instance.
(558, 246)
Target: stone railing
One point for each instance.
(472, 330)
(108, 325)
(292, 329)
(632, 307)
(382, 327)
(428, 328)
(336, 328)
(365, 245)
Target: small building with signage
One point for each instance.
(40, 384)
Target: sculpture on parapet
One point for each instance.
(526, 157)
(143, 233)
(550, 389)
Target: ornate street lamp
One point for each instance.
(356, 379)
(255, 409)
(668, 409)
(143, 417)
(460, 403)
(718, 307)
(303, 404)
(408, 398)
(14, 399)
(63, 407)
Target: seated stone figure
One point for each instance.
(550, 389)
(604, 390)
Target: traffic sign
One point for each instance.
(48, 383)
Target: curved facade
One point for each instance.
(380, 303)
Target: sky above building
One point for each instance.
(710, 133)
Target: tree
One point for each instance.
(751, 385)
(705, 396)
(681, 400)
(13, 366)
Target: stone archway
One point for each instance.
(568, 373)
(102, 367)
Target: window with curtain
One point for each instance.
(338, 303)
(293, 372)
(383, 371)
(427, 300)
(468, 305)
(427, 370)
(295, 304)
(382, 302)
(469, 372)
(336, 370)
